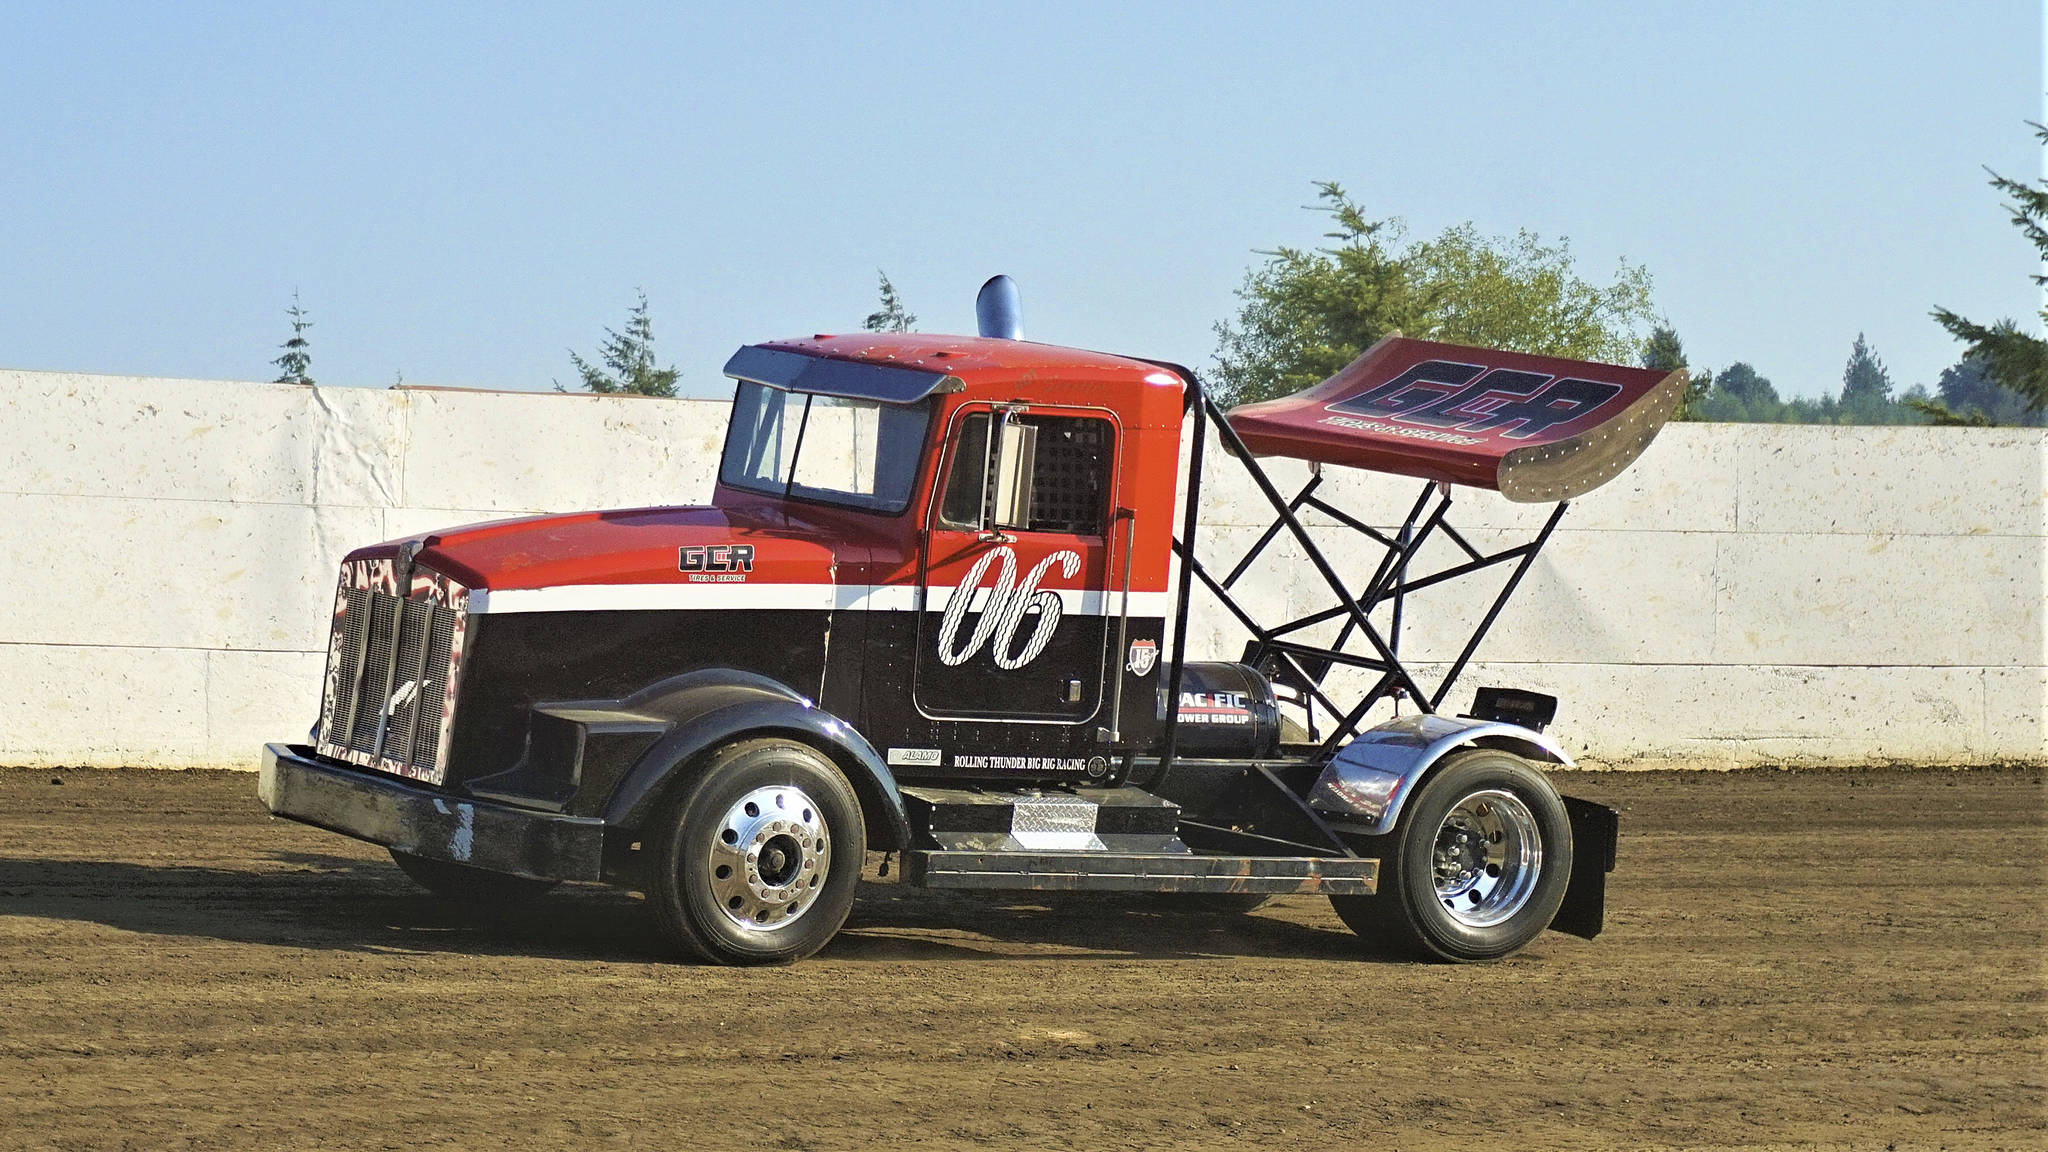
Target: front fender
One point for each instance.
(712, 707)
(1371, 778)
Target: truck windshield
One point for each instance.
(859, 453)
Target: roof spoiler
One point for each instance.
(849, 379)
(1533, 428)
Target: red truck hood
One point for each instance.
(640, 546)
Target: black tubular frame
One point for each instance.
(1302, 666)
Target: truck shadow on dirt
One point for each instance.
(328, 902)
(891, 923)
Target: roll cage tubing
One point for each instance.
(1294, 663)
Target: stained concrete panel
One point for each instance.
(253, 698)
(1889, 481)
(360, 436)
(73, 704)
(559, 452)
(1785, 598)
(173, 573)
(2016, 714)
(128, 436)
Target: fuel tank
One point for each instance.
(1227, 710)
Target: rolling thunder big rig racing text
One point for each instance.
(938, 606)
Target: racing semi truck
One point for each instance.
(938, 607)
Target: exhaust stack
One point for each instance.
(998, 313)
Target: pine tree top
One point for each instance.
(629, 367)
(295, 365)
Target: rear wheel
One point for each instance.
(453, 881)
(756, 859)
(1476, 866)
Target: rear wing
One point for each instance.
(1533, 428)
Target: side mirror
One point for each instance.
(1013, 458)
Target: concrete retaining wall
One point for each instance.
(1746, 594)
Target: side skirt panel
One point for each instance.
(1160, 872)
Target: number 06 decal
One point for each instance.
(1008, 600)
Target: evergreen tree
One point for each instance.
(892, 317)
(2015, 359)
(1967, 394)
(295, 365)
(629, 357)
(1747, 386)
(1663, 352)
(1866, 387)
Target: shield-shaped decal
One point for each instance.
(1144, 657)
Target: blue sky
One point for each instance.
(461, 194)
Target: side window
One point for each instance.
(1069, 470)
(966, 477)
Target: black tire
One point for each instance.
(755, 858)
(1505, 860)
(452, 881)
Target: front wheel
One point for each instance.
(755, 860)
(1476, 866)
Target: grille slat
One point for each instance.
(347, 682)
(402, 727)
(376, 675)
(390, 652)
(434, 690)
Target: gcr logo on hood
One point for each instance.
(715, 558)
(1008, 600)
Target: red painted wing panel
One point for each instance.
(1534, 428)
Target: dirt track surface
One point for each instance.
(1792, 960)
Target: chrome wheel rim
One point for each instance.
(769, 858)
(1487, 857)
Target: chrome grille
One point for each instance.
(374, 675)
(391, 669)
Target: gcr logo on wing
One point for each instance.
(1468, 398)
(1008, 600)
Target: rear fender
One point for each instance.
(716, 706)
(1371, 778)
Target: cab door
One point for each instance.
(1012, 623)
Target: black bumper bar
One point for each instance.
(386, 810)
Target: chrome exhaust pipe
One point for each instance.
(998, 313)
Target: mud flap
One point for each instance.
(1595, 827)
